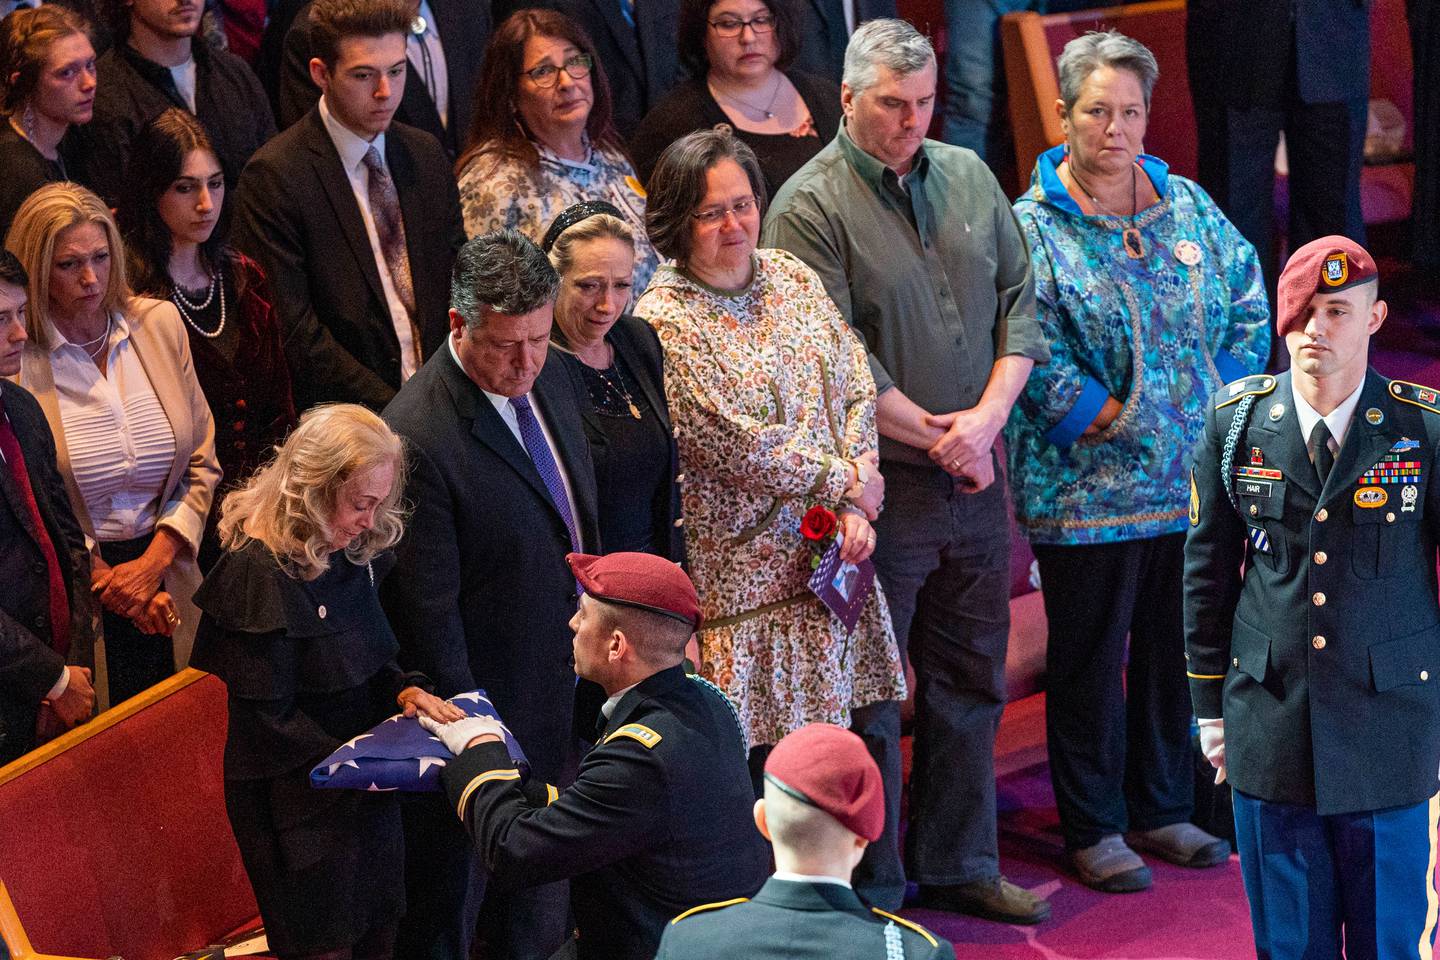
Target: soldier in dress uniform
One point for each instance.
(1312, 627)
(658, 819)
(823, 805)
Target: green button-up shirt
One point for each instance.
(933, 273)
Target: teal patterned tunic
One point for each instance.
(1160, 334)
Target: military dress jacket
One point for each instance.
(1311, 620)
(798, 920)
(657, 821)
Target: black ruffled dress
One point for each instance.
(308, 666)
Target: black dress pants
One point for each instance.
(1117, 731)
(134, 660)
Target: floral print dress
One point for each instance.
(498, 191)
(770, 393)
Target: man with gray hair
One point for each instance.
(481, 595)
(917, 245)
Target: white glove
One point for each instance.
(458, 734)
(1212, 744)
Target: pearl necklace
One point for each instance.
(181, 302)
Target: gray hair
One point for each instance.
(1088, 53)
(503, 272)
(884, 43)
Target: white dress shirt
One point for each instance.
(607, 709)
(121, 443)
(809, 878)
(427, 63)
(1337, 421)
(507, 414)
(352, 150)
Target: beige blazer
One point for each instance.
(159, 339)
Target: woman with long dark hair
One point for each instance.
(176, 231)
(546, 142)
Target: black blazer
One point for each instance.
(641, 62)
(464, 29)
(823, 36)
(29, 666)
(295, 213)
(481, 594)
(633, 339)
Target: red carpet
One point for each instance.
(1186, 915)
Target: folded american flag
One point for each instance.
(399, 754)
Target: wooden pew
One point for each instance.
(114, 838)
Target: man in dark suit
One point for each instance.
(503, 489)
(824, 803)
(355, 219)
(1262, 67)
(47, 634)
(636, 41)
(1312, 630)
(443, 58)
(825, 31)
(658, 819)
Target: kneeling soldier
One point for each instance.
(823, 805)
(658, 818)
(1312, 628)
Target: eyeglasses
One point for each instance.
(712, 216)
(733, 26)
(547, 74)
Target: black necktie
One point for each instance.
(1320, 453)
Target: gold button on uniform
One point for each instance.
(1254, 510)
(322, 612)
(1235, 662)
(1321, 557)
(1322, 515)
(1319, 599)
(1389, 518)
(1318, 643)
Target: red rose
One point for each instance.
(818, 524)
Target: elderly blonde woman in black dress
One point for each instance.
(292, 623)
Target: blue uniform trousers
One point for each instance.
(1364, 881)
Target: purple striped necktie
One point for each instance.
(545, 464)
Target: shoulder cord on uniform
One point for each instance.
(1232, 441)
(894, 944)
(734, 714)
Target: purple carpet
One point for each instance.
(1186, 915)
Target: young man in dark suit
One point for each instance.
(355, 219)
(503, 489)
(47, 634)
(444, 46)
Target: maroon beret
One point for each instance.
(1327, 265)
(829, 768)
(638, 580)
